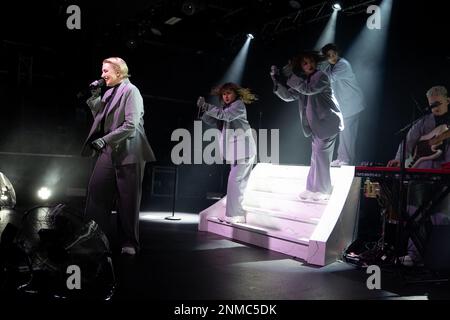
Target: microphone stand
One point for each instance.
(401, 207)
(175, 188)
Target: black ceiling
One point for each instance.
(203, 23)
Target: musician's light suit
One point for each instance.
(351, 102)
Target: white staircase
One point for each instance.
(278, 220)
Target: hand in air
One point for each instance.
(201, 102)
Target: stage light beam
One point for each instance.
(329, 32)
(236, 69)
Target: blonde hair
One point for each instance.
(243, 93)
(119, 65)
(437, 91)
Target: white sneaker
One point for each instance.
(232, 220)
(335, 163)
(409, 261)
(305, 195)
(319, 196)
(338, 163)
(129, 250)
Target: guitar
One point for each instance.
(427, 148)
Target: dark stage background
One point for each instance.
(44, 66)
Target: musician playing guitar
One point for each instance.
(427, 142)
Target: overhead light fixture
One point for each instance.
(336, 6)
(294, 4)
(191, 7)
(156, 32)
(250, 36)
(172, 21)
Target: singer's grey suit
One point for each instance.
(119, 169)
(320, 118)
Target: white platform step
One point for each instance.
(309, 216)
(260, 237)
(264, 231)
(277, 220)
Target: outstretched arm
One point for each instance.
(234, 111)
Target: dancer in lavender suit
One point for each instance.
(319, 115)
(350, 98)
(237, 144)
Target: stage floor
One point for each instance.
(178, 262)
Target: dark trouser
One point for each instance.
(418, 193)
(123, 183)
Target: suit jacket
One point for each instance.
(345, 87)
(236, 140)
(123, 125)
(319, 111)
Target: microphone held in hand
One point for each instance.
(97, 84)
(98, 144)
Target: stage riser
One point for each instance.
(293, 249)
(290, 228)
(278, 220)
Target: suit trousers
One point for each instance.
(237, 183)
(113, 185)
(319, 179)
(347, 139)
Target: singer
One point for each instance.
(117, 137)
(319, 115)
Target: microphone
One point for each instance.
(97, 84)
(431, 106)
(435, 104)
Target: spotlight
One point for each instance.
(44, 193)
(294, 4)
(250, 36)
(7, 193)
(131, 44)
(336, 6)
(191, 7)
